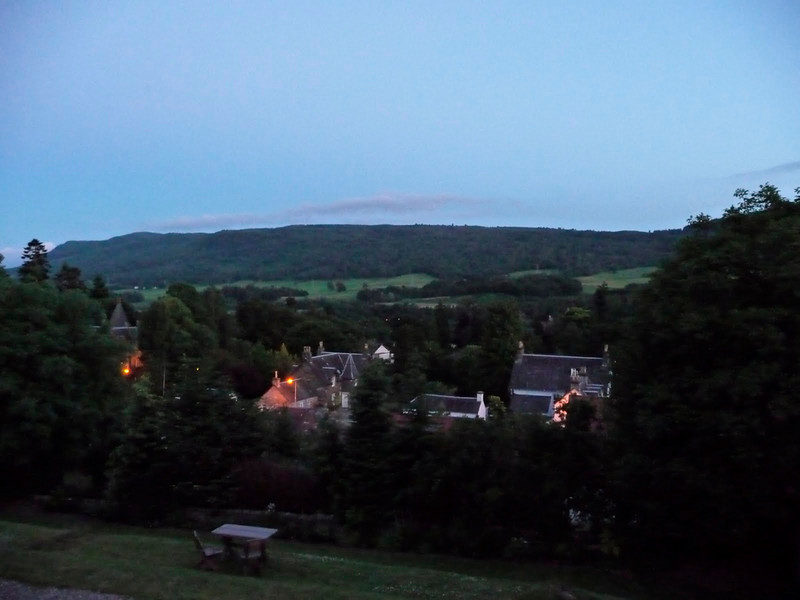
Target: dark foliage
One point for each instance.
(60, 386)
(314, 252)
(183, 449)
(529, 285)
(35, 263)
(705, 408)
(99, 289)
(265, 294)
(69, 278)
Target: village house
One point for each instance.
(324, 379)
(383, 353)
(120, 328)
(542, 384)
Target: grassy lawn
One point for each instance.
(616, 279)
(64, 551)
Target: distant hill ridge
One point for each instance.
(345, 251)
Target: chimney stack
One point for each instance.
(482, 408)
(306, 353)
(574, 379)
(321, 349)
(276, 381)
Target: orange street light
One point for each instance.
(293, 381)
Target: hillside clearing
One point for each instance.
(162, 564)
(616, 279)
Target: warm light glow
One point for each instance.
(290, 381)
(126, 370)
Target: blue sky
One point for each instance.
(118, 117)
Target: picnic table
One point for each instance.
(245, 542)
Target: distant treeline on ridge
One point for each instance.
(302, 252)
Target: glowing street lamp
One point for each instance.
(293, 381)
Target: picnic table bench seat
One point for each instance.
(209, 555)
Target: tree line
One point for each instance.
(337, 252)
(537, 285)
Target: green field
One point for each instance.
(320, 289)
(518, 274)
(150, 564)
(616, 279)
(316, 288)
(150, 294)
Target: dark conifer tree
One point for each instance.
(69, 278)
(35, 266)
(368, 489)
(99, 290)
(705, 414)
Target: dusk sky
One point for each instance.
(163, 116)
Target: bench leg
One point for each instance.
(209, 564)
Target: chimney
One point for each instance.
(606, 357)
(276, 381)
(520, 348)
(574, 379)
(479, 397)
(321, 349)
(366, 351)
(306, 353)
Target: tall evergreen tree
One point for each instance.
(60, 386)
(141, 469)
(35, 264)
(368, 491)
(327, 461)
(705, 413)
(69, 278)
(99, 289)
(502, 332)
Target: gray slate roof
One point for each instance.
(447, 404)
(345, 365)
(538, 380)
(533, 404)
(551, 373)
(119, 325)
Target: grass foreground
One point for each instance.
(154, 564)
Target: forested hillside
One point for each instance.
(338, 251)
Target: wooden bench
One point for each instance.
(210, 555)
